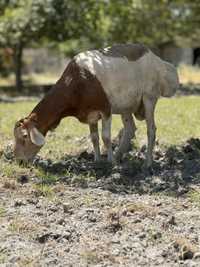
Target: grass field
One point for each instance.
(177, 120)
(90, 214)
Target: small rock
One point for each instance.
(186, 248)
(164, 253)
(186, 254)
(58, 167)
(43, 164)
(159, 204)
(115, 240)
(116, 252)
(137, 220)
(67, 208)
(61, 221)
(92, 218)
(33, 201)
(182, 190)
(53, 208)
(42, 238)
(142, 235)
(197, 255)
(19, 202)
(22, 179)
(157, 235)
(66, 235)
(38, 205)
(85, 155)
(188, 148)
(172, 220)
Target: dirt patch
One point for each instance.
(174, 171)
(80, 213)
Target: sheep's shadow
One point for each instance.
(189, 89)
(175, 170)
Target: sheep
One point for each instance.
(125, 79)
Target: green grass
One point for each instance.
(2, 211)
(194, 197)
(44, 190)
(3, 257)
(46, 178)
(177, 120)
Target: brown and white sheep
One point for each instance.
(123, 79)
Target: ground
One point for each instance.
(65, 210)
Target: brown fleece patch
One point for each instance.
(77, 93)
(132, 52)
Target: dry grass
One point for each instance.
(194, 196)
(146, 210)
(20, 226)
(186, 248)
(32, 78)
(177, 120)
(189, 74)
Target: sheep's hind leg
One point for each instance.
(149, 105)
(106, 136)
(94, 135)
(128, 134)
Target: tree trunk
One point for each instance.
(18, 53)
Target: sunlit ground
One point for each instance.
(189, 74)
(177, 120)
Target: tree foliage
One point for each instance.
(75, 25)
(22, 24)
(153, 22)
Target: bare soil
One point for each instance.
(103, 215)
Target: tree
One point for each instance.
(22, 24)
(76, 25)
(152, 22)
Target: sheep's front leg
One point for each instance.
(106, 136)
(128, 134)
(94, 135)
(149, 105)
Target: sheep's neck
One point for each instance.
(52, 108)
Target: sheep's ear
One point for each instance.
(36, 137)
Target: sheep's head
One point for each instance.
(170, 80)
(28, 140)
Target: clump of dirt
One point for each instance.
(174, 170)
(186, 248)
(83, 213)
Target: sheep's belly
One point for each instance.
(124, 89)
(125, 100)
